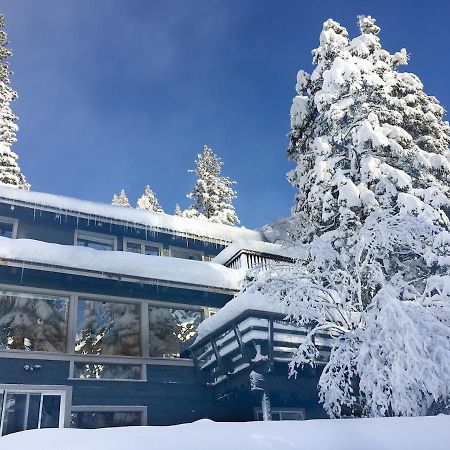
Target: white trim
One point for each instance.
(142, 243)
(286, 409)
(14, 222)
(64, 391)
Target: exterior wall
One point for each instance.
(172, 395)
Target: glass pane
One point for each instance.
(107, 328)
(133, 247)
(51, 405)
(151, 250)
(107, 371)
(171, 330)
(33, 411)
(185, 254)
(94, 243)
(14, 417)
(102, 419)
(6, 229)
(33, 322)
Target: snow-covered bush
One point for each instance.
(370, 229)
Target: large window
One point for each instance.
(94, 240)
(108, 328)
(186, 253)
(102, 418)
(33, 321)
(171, 331)
(143, 247)
(7, 228)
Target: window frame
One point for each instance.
(186, 250)
(142, 243)
(69, 353)
(14, 222)
(92, 236)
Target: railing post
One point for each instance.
(270, 350)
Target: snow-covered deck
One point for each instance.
(156, 222)
(159, 269)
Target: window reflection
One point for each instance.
(171, 331)
(108, 328)
(87, 371)
(102, 419)
(33, 322)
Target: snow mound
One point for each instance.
(400, 433)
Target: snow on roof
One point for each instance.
(158, 222)
(386, 433)
(243, 302)
(255, 246)
(160, 268)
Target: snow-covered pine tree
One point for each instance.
(213, 194)
(9, 169)
(178, 211)
(373, 243)
(148, 201)
(120, 200)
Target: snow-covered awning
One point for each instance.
(151, 221)
(160, 269)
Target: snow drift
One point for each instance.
(400, 433)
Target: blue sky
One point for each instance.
(123, 93)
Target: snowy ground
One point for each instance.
(419, 433)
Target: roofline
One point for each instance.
(115, 221)
(22, 264)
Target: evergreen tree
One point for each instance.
(372, 242)
(178, 211)
(213, 194)
(120, 200)
(148, 201)
(9, 170)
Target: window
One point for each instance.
(108, 328)
(186, 253)
(33, 321)
(143, 247)
(95, 240)
(171, 330)
(8, 227)
(283, 414)
(89, 371)
(108, 417)
(30, 410)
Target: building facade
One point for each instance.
(99, 307)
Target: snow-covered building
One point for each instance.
(99, 309)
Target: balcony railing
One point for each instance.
(255, 340)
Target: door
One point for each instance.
(28, 410)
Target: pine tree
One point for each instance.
(372, 242)
(178, 211)
(213, 194)
(120, 200)
(148, 201)
(9, 170)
